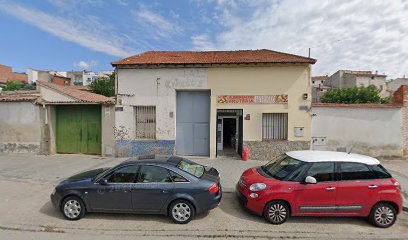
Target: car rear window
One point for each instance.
(380, 171)
(356, 171)
(191, 167)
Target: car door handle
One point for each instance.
(330, 188)
(164, 191)
(126, 191)
(372, 186)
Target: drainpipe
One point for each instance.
(116, 85)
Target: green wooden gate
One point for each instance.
(78, 129)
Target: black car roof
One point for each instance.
(154, 159)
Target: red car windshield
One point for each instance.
(282, 167)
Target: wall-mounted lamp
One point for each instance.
(305, 95)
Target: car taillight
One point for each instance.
(397, 185)
(214, 188)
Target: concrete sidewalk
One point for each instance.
(52, 169)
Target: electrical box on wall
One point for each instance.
(319, 141)
(299, 131)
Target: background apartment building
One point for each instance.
(348, 79)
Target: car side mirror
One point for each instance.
(103, 181)
(310, 180)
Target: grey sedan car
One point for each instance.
(172, 186)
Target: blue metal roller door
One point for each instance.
(193, 123)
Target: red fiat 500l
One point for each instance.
(321, 183)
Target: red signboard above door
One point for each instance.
(262, 99)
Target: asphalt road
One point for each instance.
(26, 213)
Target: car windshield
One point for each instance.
(282, 167)
(191, 167)
(105, 170)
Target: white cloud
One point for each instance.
(353, 34)
(69, 5)
(87, 32)
(156, 24)
(122, 2)
(84, 65)
(202, 43)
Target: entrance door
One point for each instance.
(240, 135)
(229, 131)
(193, 123)
(78, 129)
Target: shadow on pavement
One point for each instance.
(49, 210)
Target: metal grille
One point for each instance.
(145, 122)
(275, 126)
(229, 112)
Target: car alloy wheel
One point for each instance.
(276, 212)
(181, 211)
(383, 215)
(73, 208)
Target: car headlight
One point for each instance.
(257, 187)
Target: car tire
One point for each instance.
(73, 208)
(383, 215)
(276, 212)
(181, 211)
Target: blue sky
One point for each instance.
(89, 34)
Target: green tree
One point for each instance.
(104, 86)
(13, 86)
(355, 95)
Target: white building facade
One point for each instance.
(207, 109)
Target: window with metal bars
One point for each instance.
(145, 122)
(274, 126)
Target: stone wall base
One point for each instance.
(133, 148)
(266, 150)
(19, 147)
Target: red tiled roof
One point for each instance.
(19, 96)
(213, 57)
(320, 78)
(4, 81)
(79, 95)
(83, 88)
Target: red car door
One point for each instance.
(318, 198)
(357, 190)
